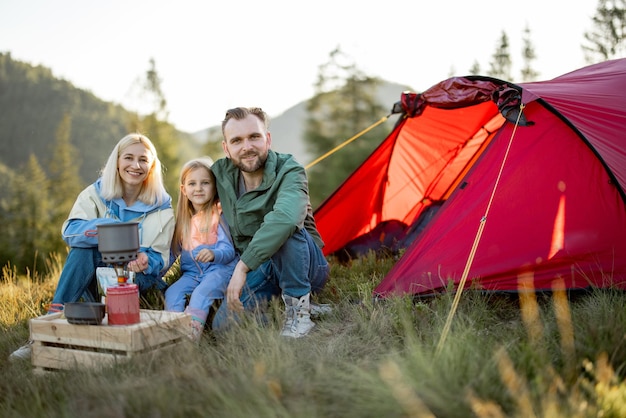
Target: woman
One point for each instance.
(130, 188)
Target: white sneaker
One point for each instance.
(22, 353)
(298, 316)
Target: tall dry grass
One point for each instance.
(539, 355)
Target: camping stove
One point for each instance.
(119, 243)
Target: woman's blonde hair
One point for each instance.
(152, 190)
(185, 209)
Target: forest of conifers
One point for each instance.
(54, 139)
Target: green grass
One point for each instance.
(543, 356)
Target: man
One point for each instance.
(265, 199)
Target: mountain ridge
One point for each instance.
(34, 101)
(287, 128)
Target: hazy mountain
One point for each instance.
(33, 102)
(288, 127)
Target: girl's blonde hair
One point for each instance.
(152, 190)
(184, 208)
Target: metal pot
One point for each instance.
(84, 313)
(119, 242)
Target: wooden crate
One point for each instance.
(58, 344)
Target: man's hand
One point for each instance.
(237, 281)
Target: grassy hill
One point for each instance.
(33, 103)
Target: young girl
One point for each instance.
(207, 255)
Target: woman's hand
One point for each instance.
(140, 264)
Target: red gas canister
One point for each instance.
(123, 304)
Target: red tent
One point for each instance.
(542, 196)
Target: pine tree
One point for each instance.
(155, 126)
(153, 90)
(500, 65)
(475, 68)
(607, 39)
(8, 213)
(528, 55)
(65, 178)
(34, 231)
(344, 104)
(162, 135)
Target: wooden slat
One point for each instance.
(61, 345)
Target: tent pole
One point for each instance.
(338, 147)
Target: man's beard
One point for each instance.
(259, 164)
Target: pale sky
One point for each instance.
(213, 55)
